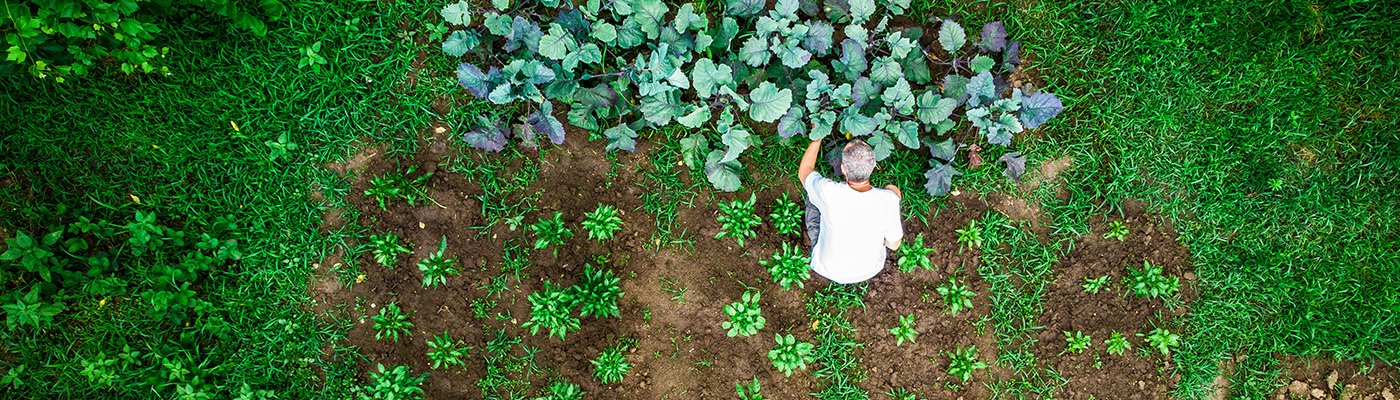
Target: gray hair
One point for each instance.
(857, 161)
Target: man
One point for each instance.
(850, 223)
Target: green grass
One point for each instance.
(1265, 132)
(93, 143)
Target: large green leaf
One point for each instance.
(822, 124)
(886, 70)
(933, 109)
(899, 97)
(755, 51)
(459, 13)
(460, 43)
(658, 109)
(900, 46)
(852, 58)
(981, 64)
(907, 132)
(857, 124)
(736, 139)
(981, 89)
(588, 54)
(951, 36)
(707, 77)
(768, 103)
(621, 137)
(793, 55)
(693, 150)
(695, 118)
(791, 124)
(557, 43)
(881, 144)
(861, 10)
(955, 87)
(604, 31)
(498, 24)
(723, 175)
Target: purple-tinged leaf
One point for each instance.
(543, 121)
(818, 39)
(1038, 108)
(996, 134)
(940, 179)
(475, 81)
(487, 135)
(853, 57)
(993, 36)
(526, 134)
(523, 33)
(944, 150)
(1015, 165)
(1013, 54)
(791, 124)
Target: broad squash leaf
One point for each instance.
(1038, 108)
(723, 175)
(768, 103)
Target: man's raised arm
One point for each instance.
(809, 161)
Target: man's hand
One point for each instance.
(896, 191)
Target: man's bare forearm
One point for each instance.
(809, 160)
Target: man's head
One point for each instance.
(857, 161)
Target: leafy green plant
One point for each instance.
(551, 309)
(737, 219)
(1095, 285)
(904, 331)
(901, 393)
(392, 384)
(745, 316)
(787, 216)
(563, 391)
(64, 39)
(1117, 344)
(30, 310)
(971, 236)
(788, 266)
(444, 350)
(437, 266)
(1150, 283)
(611, 365)
(551, 232)
(391, 323)
(386, 249)
(914, 255)
(883, 84)
(963, 362)
(1077, 342)
(1116, 230)
(789, 354)
(390, 186)
(602, 223)
(749, 391)
(597, 292)
(956, 295)
(1163, 340)
(311, 57)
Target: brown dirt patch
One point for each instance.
(1318, 378)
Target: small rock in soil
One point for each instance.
(1332, 380)
(1298, 388)
(1387, 395)
(1318, 394)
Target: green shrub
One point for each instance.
(391, 322)
(956, 295)
(748, 391)
(602, 223)
(597, 292)
(964, 362)
(611, 365)
(914, 255)
(386, 249)
(551, 308)
(1117, 344)
(1077, 342)
(437, 266)
(737, 219)
(787, 216)
(904, 330)
(444, 350)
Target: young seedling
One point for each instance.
(444, 350)
(1077, 342)
(611, 366)
(437, 266)
(737, 219)
(551, 309)
(597, 292)
(564, 391)
(787, 217)
(602, 223)
(551, 232)
(902, 393)
(1117, 344)
(1095, 285)
(745, 316)
(395, 383)
(914, 255)
(970, 237)
(788, 266)
(386, 249)
(956, 295)
(391, 323)
(1150, 283)
(748, 391)
(384, 187)
(964, 362)
(1163, 340)
(1116, 230)
(905, 330)
(788, 354)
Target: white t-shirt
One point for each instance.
(856, 228)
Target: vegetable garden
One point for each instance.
(568, 200)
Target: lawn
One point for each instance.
(252, 227)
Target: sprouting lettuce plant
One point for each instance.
(787, 216)
(597, 292)
(1117, 344)
(391, 323)
(789, 266)
(611, 366)
(963, 362)
(1077, 342)
(602, 223)
(443, 350)
(551, 308)
(745, 316)
(551, 232)
(437, 266)
(914, 255)
(956, 295)
(616, 68)
(386, 249)
(904, 330)
(737, 219)
(788, 354)
(1149, 281)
